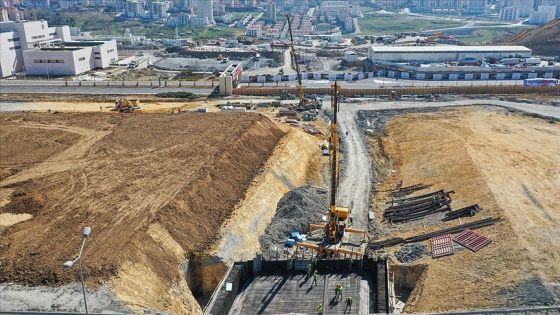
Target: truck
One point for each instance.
(133, 65)
(540, 82)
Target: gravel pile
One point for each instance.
(531, 292)
(295, 211)
(411, 252)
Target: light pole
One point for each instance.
(70, 263)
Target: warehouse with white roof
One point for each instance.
(445, 53)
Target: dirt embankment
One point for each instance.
(504, 161)
(153, 187)
(543, 40)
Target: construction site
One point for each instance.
(322, 204)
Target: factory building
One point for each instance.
(445, 53)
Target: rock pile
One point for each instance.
(295, 211)
(411, 252)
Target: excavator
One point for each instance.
(338, 217)
(304, 103)
(124, 105)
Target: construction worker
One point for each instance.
(308, 270)
(336, 291)
(320, 309)
(315, 275)
(340, 291)
(348, 303)
(290, 264)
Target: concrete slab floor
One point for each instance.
(283, 293)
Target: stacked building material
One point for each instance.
(427, 236)
(472, 240)
(462, 213)
(441, 245)
(403, 191)
(415, 208)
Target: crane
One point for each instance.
(338, 217)
(303, 102)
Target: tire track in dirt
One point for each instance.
(66, 160)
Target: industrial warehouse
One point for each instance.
(445, 53)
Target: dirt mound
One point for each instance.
(21, 202)
(543, 40)
(295, 211)
(141, 181)
(503, 161)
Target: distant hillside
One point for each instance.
(544, 40)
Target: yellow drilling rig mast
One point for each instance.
(338, 217)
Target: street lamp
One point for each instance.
(70, 263)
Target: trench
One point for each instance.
(404, 279)
(203, 274)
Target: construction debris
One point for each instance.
(462, 213)
(442, 245)
(472, 240)
(427, 236)
(411, 252)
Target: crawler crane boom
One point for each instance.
(302, 100)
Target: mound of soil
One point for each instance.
(544, 40)
(121, 175)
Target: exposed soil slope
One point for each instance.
(543, 40)
(507, 163)
(153, 187)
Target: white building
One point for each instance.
(348, 24)
(204, 9)
(476, 7)
(271, 14)
(133, 8)
(543, 15)
(509, 14)
(29, 46)
(16, 37)
(158, 9)
(525, 6)
(229, 79)
(445, 53)
(71, 58)
(350, 56)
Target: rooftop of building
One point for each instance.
(436, 49)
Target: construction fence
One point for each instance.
(473, 90)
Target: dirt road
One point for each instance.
(355, 186)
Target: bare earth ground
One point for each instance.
(510, 165)
(142, 182)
